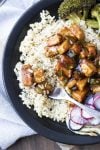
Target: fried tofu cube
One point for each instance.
(79, 95)
(91, 49)
(51, 51)
(88, 68)
(65, 32)
(54, 40)
(67, 61)
(81, 84)
(77, 31)
(67, 72)
(58, 67)
(95, 88)
(97, 61)
(77, 75)
(84, 53)
(39, 76)
(61, 71)
(76, 48)
(98, 71)
(27, 75)
(71, 83)
(64, 47)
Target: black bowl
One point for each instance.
(46, 127)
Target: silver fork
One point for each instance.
(60, 93)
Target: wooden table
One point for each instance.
(34, 143)
(40, 143)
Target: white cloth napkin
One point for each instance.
(11, 125)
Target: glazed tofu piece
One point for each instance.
(97, 61)
(39, 76)
(64, 47)
(67, 72)
(51, 51)
(58, 67)
(84, 53)
(81, 84)
(61, 71)
(76, 48)
(65, 32)
(71, 83)
(27, 75)
(67, 61)
(91, 49)
(77, 75)
(88, 68)
(98, 71)
(79, 95)
(54, 40)
(95, 88)
(77, 32)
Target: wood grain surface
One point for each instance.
(34, 143)
(37, 142)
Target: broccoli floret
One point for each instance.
(74, 17)
(80, 7)
(67, 7)
(95, 13)
(87, 4)
(92, 23)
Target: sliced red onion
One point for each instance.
(86, 115)
(97, 102)
(94, 121)
(76, 116)
(96, 95)
(71, 125)
(74, 126)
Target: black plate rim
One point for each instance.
(51, 134)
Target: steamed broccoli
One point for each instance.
(80, 7)
(95, 13)
(92, 23)
(74, 17)
(86, 5)
(67, 7)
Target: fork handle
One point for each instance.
(92, 112)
